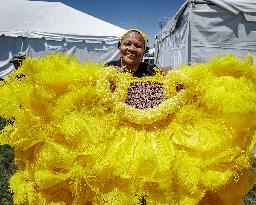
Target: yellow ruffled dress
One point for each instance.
(77, 142)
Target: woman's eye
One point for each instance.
(138, 46)
(127, 44)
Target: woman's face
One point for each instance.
(132, 49)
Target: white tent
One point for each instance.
(202, 29)
(38, 28)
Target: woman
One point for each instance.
(132, 47)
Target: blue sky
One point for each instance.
(144, 15)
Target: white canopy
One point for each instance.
(38, 28)
(202, 29)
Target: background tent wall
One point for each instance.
(220, 32)
(172, 44)
(33, 47)
(202, 31)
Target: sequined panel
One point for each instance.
(144, 95)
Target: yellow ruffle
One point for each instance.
(76, 142)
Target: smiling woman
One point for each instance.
(132, 47)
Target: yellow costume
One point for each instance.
(76, 142)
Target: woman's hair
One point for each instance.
(138, 31)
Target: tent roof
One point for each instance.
(52, 20)
(247, 7)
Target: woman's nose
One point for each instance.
(131, 48)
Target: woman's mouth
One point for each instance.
(131, 56)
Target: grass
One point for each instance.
(7, 169)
